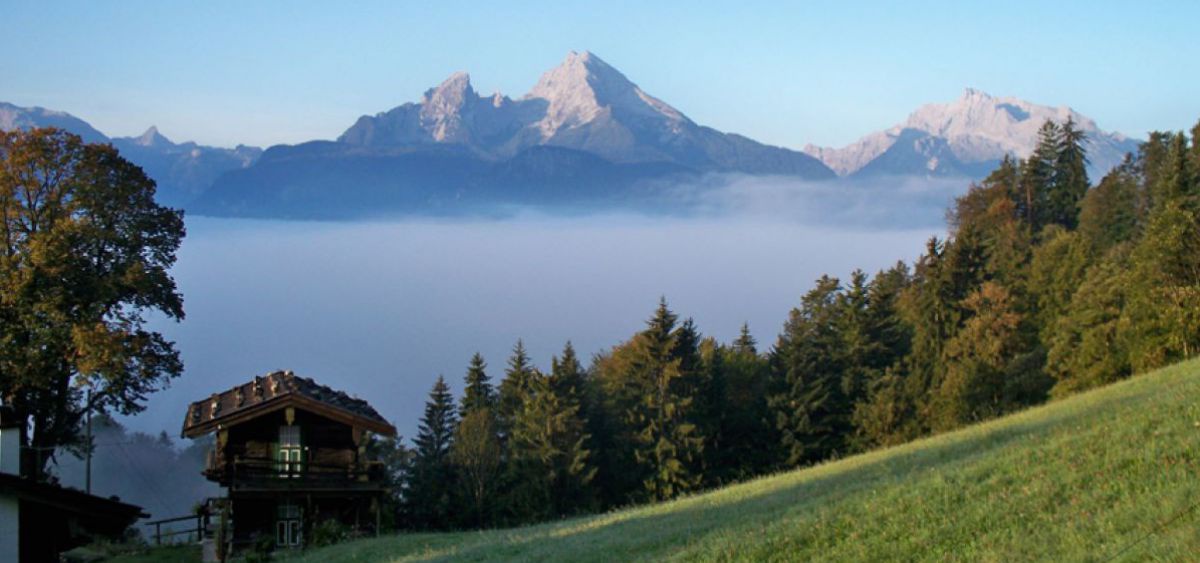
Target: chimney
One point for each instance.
(10, 441)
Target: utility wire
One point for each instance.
(1157, 529)
(150, 485)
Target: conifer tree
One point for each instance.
(567, 378)
(549, 459)
(880, 398)
(477, 457)
(977, 361)
(1162, 317)
(810, 409)
(514, 389)
(1070, 175)
(430, 487)
(746, 442)
(1196, 148)
(745, 342)
(1176, 178)
(1109, 213)
(712, 411)
(477, 454)
(860, 346)
(1086, 348)
(478, 391)
(666, 443)
(1038, 178)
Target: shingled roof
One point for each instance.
(277, 390)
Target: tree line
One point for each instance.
(1044, 286)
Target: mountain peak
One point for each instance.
(451, 92)
(584, 87)
(152, 138)
(975, 94)
(581, 74)
(978, 129)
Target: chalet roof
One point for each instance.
(275, 391)
(102, 510)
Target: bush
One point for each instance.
(329, 532)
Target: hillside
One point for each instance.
(1078, 479)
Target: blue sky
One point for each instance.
(786, 73)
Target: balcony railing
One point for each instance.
(270, 473)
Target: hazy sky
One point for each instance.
(788, 73)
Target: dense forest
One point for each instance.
(1045, 286)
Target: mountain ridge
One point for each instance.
(971, 133)
(602, 127)
(583, 104)
(182, 171)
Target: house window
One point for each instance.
(290, 461)
(288, 529)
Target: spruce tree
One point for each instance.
(477, 457)
(1038, 178)
(550, 466)
(1161, 321)
(1176, 180)
(478, 392)
(567, 378)
(745, 342)
(430, 488)
(477, 453)
(667, 445)
(1086, 348)
(515, 387)
(1070, 175)
(810, 408)
(1109, 214)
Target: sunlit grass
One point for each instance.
(1075, 480)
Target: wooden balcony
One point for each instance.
(259, 474)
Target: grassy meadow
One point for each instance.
(1090, 478)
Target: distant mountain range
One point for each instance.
(182, 171)
(584, 136)
(967, 137)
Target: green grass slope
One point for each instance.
(1089, 478)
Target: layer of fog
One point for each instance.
(381, 309)
(151, 471)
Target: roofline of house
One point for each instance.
(280, 402)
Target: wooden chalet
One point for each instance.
(291, 453)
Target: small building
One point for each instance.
(291, 453)
(38, 521)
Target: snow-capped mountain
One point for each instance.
(182, 171)
(583, 104)
(967, 137)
